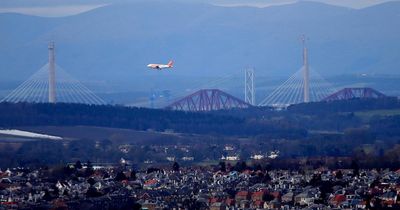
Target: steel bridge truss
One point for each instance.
(208, 100)
(349, 93)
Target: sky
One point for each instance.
(57, 8)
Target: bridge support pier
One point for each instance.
(52, 74)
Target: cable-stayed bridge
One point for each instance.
(51, 84)
(304, 86)
(292, 91)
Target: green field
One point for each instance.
(366, 115)
(101, 133)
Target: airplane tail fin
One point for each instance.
(170, 63)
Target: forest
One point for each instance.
(364, 129)
(61, 114)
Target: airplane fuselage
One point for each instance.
(161, 66)
(158, 66)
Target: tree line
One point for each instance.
(62, 114)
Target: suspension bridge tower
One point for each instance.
(249, 91)
(52, 74)
(306, 71)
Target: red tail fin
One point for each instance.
(170, 63)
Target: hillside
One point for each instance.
(109, 133)
(141, 119)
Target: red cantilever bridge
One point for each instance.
(215, 99)
(208, 100)
(350, 93)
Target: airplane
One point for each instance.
(161, 66)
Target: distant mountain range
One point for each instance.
(115, 42)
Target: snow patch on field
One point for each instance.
(20, 133)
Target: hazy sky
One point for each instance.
(52, 8)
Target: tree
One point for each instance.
(222, 166)
(89, 169)
(133, 175)
(175, 166)
(136, 206)
(339, 174)
(47, 196)
(244, 165)
(92, 192)
(257, 167)
(91, 181)
(240, 166)
(151, 170)
(267, 178)
(78, 165)
(120, 176)
(315, 180)
(355, 167)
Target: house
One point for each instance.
(171, 158)
(258, 204)
(389, 196)
(218, 206)
(151, 184)
(148, 205)
(242, 195)
(257, 157)
(338, 199)
(188, 158)
(228, 148)
(274, 204)
(276, 195)
(230, 157)
(244, 204)
(304, 198)
(258, 196)
(230, 202)
(288, 197)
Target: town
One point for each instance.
(199, 104)
(220, 186)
